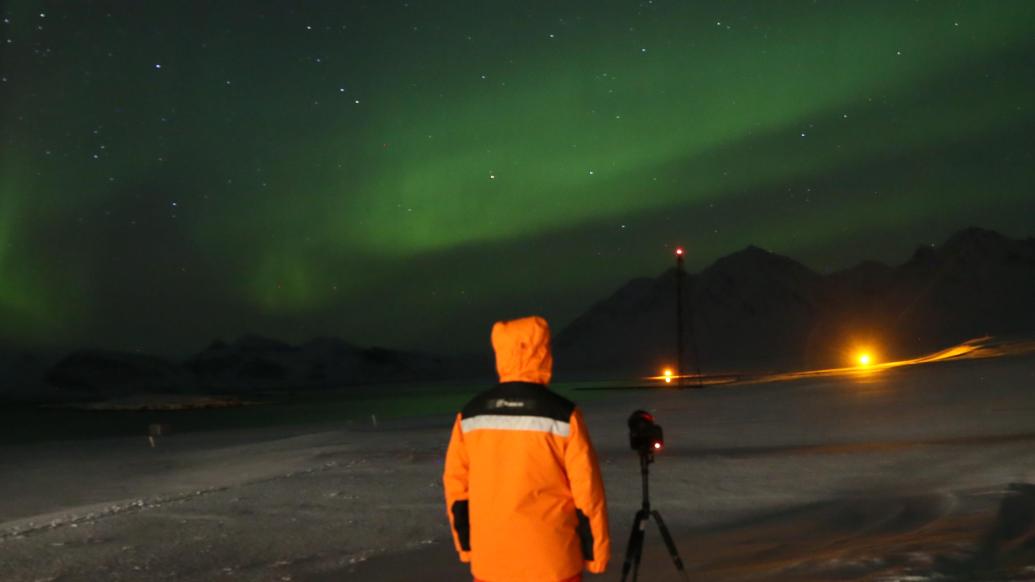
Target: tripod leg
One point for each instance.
(672, 551)
(634, 549)
(639, 546)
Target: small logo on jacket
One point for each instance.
(504, 403)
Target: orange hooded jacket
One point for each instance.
(523, 489)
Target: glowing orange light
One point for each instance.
(668, 376)
(864, 359)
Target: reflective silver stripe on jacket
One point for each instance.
(510, 422)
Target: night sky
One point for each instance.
(404, 173)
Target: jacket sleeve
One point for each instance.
(454, 480)
(587, 487)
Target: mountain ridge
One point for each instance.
(749, 310)
(754, 309)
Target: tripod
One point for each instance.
(634, 551)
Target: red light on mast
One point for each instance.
(679, 251)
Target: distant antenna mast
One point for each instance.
(680, 275)
(679, 316)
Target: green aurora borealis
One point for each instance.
(404, 173)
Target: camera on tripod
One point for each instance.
(645, 436)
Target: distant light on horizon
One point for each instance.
(863, 354)
(668, 375)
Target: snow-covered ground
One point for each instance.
(896, 475)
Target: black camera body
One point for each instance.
(645, 436)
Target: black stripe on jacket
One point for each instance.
(520, 399)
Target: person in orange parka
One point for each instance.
(523, 489)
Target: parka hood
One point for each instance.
(523, 350)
